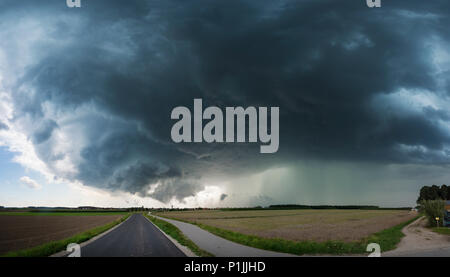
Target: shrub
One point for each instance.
(433, 209)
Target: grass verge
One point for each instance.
(176, 234)
(441, 230)
(387, 239)
(53, 247)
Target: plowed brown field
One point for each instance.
(299, 225)
(21, 232)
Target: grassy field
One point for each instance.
(303, 231)
(442, 230)
(176, 234)
(299, 225)
(45, 235)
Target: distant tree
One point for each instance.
(423, 194)
(443, 193)
(434, 193)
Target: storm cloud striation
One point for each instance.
(93, 88)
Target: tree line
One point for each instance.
(434, 193)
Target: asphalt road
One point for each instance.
(136, 237)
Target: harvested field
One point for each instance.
(299, 225)
(21, 232)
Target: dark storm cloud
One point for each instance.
(44, 131)
(322, 62)
(179, 188)
(223, 196)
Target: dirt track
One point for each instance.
(418, 239)
(20, 232)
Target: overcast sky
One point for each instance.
(86, 96)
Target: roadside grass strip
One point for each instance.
(176, 234)
(53, 247)
(387, 239)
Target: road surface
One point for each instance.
(218, 246)
(136, 237)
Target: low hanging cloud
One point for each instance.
(223, 196)
(93, 88)
(32, 184)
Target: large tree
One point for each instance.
(434, 193)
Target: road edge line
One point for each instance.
(64, 252)
(186, 251)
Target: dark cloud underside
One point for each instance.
(333, 67)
